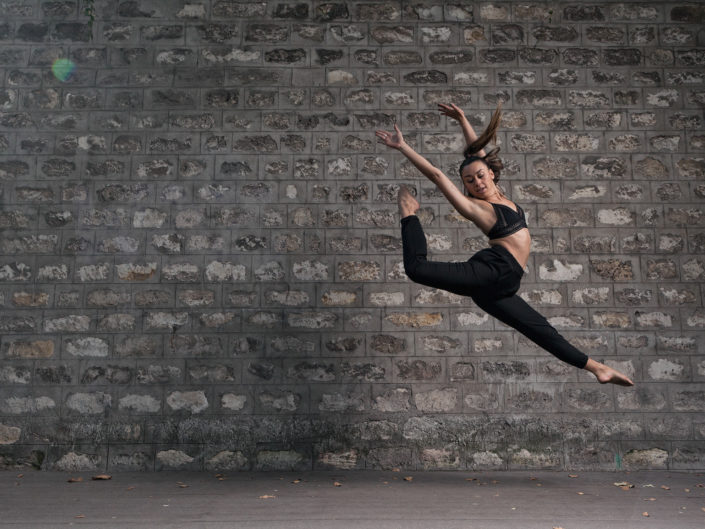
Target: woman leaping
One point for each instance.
(492, 276)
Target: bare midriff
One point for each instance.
(518, 244)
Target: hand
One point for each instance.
(452, 111)
(395, 141)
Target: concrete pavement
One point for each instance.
(364, 499)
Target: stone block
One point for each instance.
(522, 458)
(171, 459)
(530, 397)
(390, 458)
(282, 460)
(280, 401)
(687, 455)
(651, 457)
(94, 403)
(588, 399)
(647, 398)
(16, 374)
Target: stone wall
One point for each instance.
(200, 253)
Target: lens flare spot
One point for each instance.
(63, 69)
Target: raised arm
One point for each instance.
(455, 112)
(466, 206)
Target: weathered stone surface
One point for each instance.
(437, 400)
(395, 400)
(612, 269)
(190, 401)
(30, 349)
(75, 462)
(230, 145)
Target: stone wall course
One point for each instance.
(201, 265)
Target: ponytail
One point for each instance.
(490, 159)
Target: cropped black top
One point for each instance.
(508, 221)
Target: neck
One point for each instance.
(496, 194)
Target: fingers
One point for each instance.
(452, 111)
(384, 136)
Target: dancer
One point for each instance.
(492, 276)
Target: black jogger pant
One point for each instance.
(491, 278)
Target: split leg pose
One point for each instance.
(493, 275)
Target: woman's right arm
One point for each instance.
(466, 206)
(455, 112)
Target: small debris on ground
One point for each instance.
(572, 475)
(266, 497)
(409, 478)
(624, 485)
(665, 487)
(297, 481)
(337, 484)
(75, 480)
(645, 514)
(80, 516)
(182, 485)
(101, 477)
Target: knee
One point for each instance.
(418, 271)
(412, 270)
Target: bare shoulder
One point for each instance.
(484, 216)
(483, 205)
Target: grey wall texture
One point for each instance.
(200, 253)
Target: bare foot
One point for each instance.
(607, 375)
(408, 205)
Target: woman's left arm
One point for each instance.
(456, 113)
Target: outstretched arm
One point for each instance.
(455, 112)
(466, 206)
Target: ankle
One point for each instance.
(595, 367)
(406, 218)
(406, 212)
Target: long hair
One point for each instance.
(491, 158)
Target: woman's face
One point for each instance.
(478, 180)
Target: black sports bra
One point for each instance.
(508, 221)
